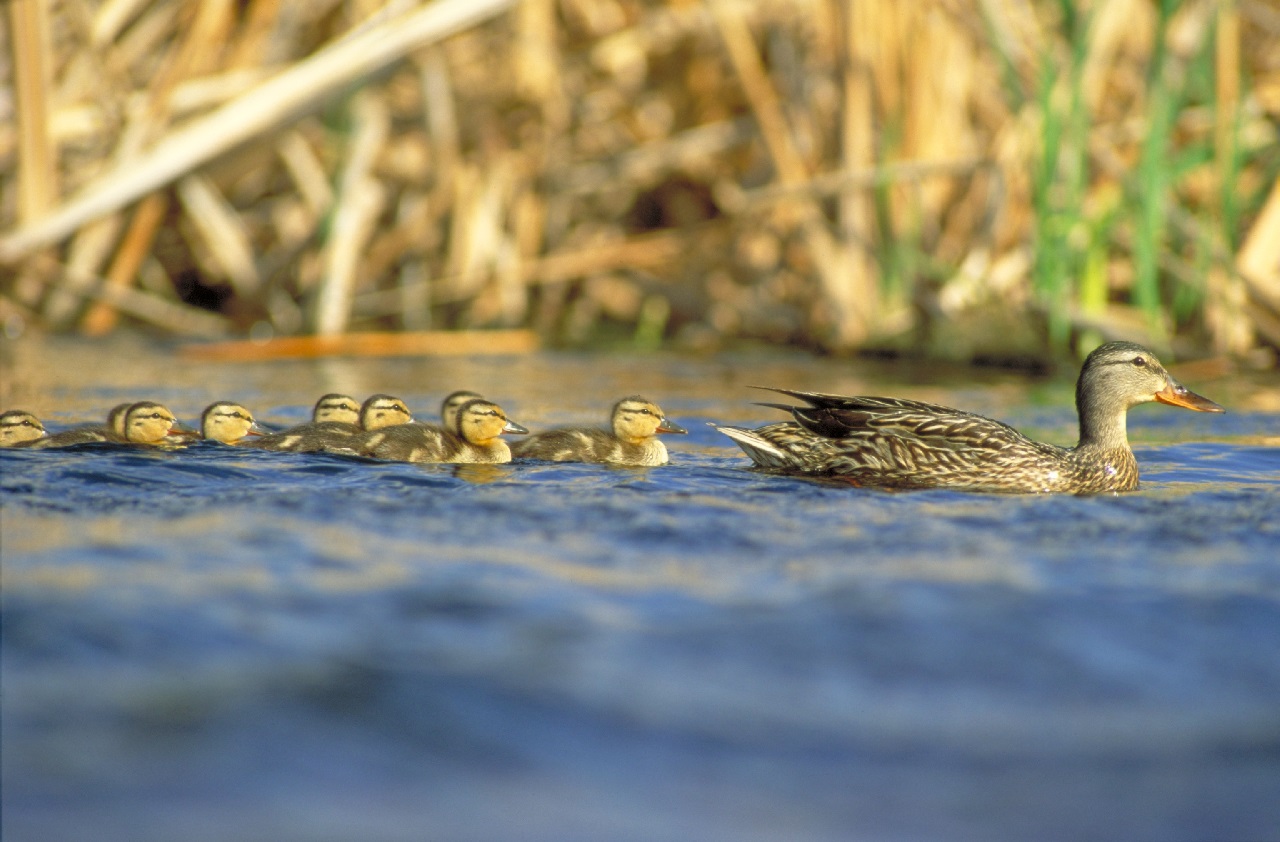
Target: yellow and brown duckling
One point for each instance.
(145, 422)
(452, 403)
(18, 426)
(332, 412)
(377, 412)
(475, 437)
(889, 442)
(227, 422)
(635, 423)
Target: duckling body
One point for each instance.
(635, 423)
(475, 438)
(890, 442)
(330, 428)
(227, 422)
(18, 426)
(145, 423)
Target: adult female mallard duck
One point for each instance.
(476, 436)
(227, 422)
(376, 412)
(17, 426)
(896, 443)
(146, 422)
(632, 439)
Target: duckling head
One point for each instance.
(480, 422)
(227, 422)
(452, 403)
(384, 411)
(636, 419)
(334, 407)
(18, 425)
(147, 422)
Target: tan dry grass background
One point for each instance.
(833, 174)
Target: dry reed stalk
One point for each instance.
(648, 252)
(849, 317)
(146, 307)
(33, 73)
(1258, 262)
(419, 344)
(282, 98)
(90, 249)
(102, 316)
(227, 251)
(1226, 294)
(359, 202)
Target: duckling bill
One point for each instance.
(896, 443)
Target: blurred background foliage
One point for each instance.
(956, 178)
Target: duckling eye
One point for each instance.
(1139, 361)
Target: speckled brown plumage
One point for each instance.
(890, 442)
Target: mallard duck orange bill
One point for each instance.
(1175, 394)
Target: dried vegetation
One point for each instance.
(968, 176)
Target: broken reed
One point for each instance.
(830, 173)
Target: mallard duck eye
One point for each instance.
(1139, 361)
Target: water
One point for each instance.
(215, 643)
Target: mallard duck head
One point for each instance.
(1120, 375)
(635, 419)
(227, 422)
(384, 411)
(17, 425)
(480, 422)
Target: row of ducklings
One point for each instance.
(382, 427)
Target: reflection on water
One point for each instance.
(218, 643)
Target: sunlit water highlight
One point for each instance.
(217, 643)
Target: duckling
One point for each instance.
(452, 403)
(18, 426)
(145, 422)
(331, 435)
(635, 423)
(227, 422)
(474, 437)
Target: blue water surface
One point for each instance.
(215, 644)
